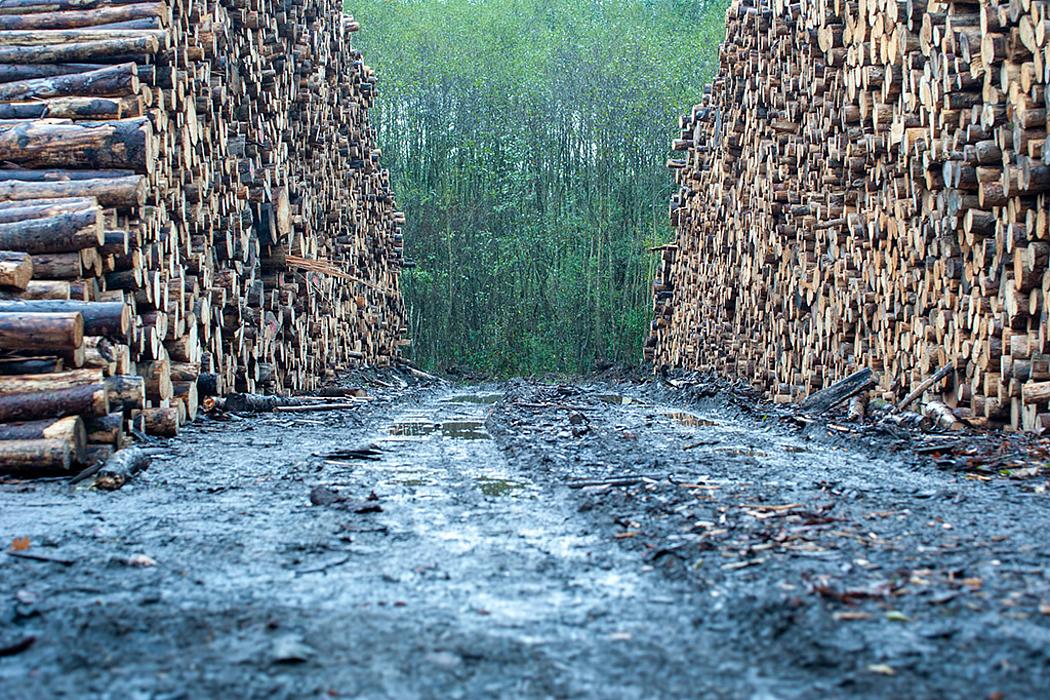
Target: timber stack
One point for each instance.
(865, 184)
(191, 203)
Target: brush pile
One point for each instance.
(865, 184)
(191, 203)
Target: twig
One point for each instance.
(87, 473)
(323, 567)
(615, 481)
(40, 557)
(420, 374)
(554, 406)
(944, 446)
(314, 407)
(18, 647)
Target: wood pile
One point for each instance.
(865, 183)
(191, 203)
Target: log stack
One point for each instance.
(191, 202)
(865, 184)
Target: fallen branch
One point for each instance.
(315, 407)
(941, 447)
(370, 454)
(122, 466)
(615, 481)
(267, 403)
(554, 406)
(33, 556)
(415, 372)
(323, 567)
(826, 399)
(924, 385)
(420, 374)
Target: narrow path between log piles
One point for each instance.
(524, 540)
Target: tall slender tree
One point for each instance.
(527, 139)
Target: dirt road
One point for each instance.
(527, 540)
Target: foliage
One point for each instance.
(527, 141)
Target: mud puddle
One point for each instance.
(497, 487)
(486, 398)
(689, 420)
(454, 429)
(619, 399)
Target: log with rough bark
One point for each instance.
(86, 400)
(826, 399)
(36, 457)
(24, 330)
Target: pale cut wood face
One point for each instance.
(869, 192)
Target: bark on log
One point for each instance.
(838, 392)
(101, 318)
(110, 81)
(98, 108)
(35, 456)
(50, 381)
(126, 143)
(90, 400)
(41, 331)
(70, 430)
(123, 466)
(62, 233)
(67, 19)
(81, 51)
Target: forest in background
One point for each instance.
(527, 142)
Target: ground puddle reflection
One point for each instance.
(618, 399)
(689, 420)
(474, 398)
(456, 430)
(495, 487)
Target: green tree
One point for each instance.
(527, 141)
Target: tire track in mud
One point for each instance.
(477, 578)
(758, 563)
(835, 567)
(519, 596)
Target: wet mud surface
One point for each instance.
(527, 540)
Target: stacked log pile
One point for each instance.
(865, 184)
(191, 203)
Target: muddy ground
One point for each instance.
(528, 540)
